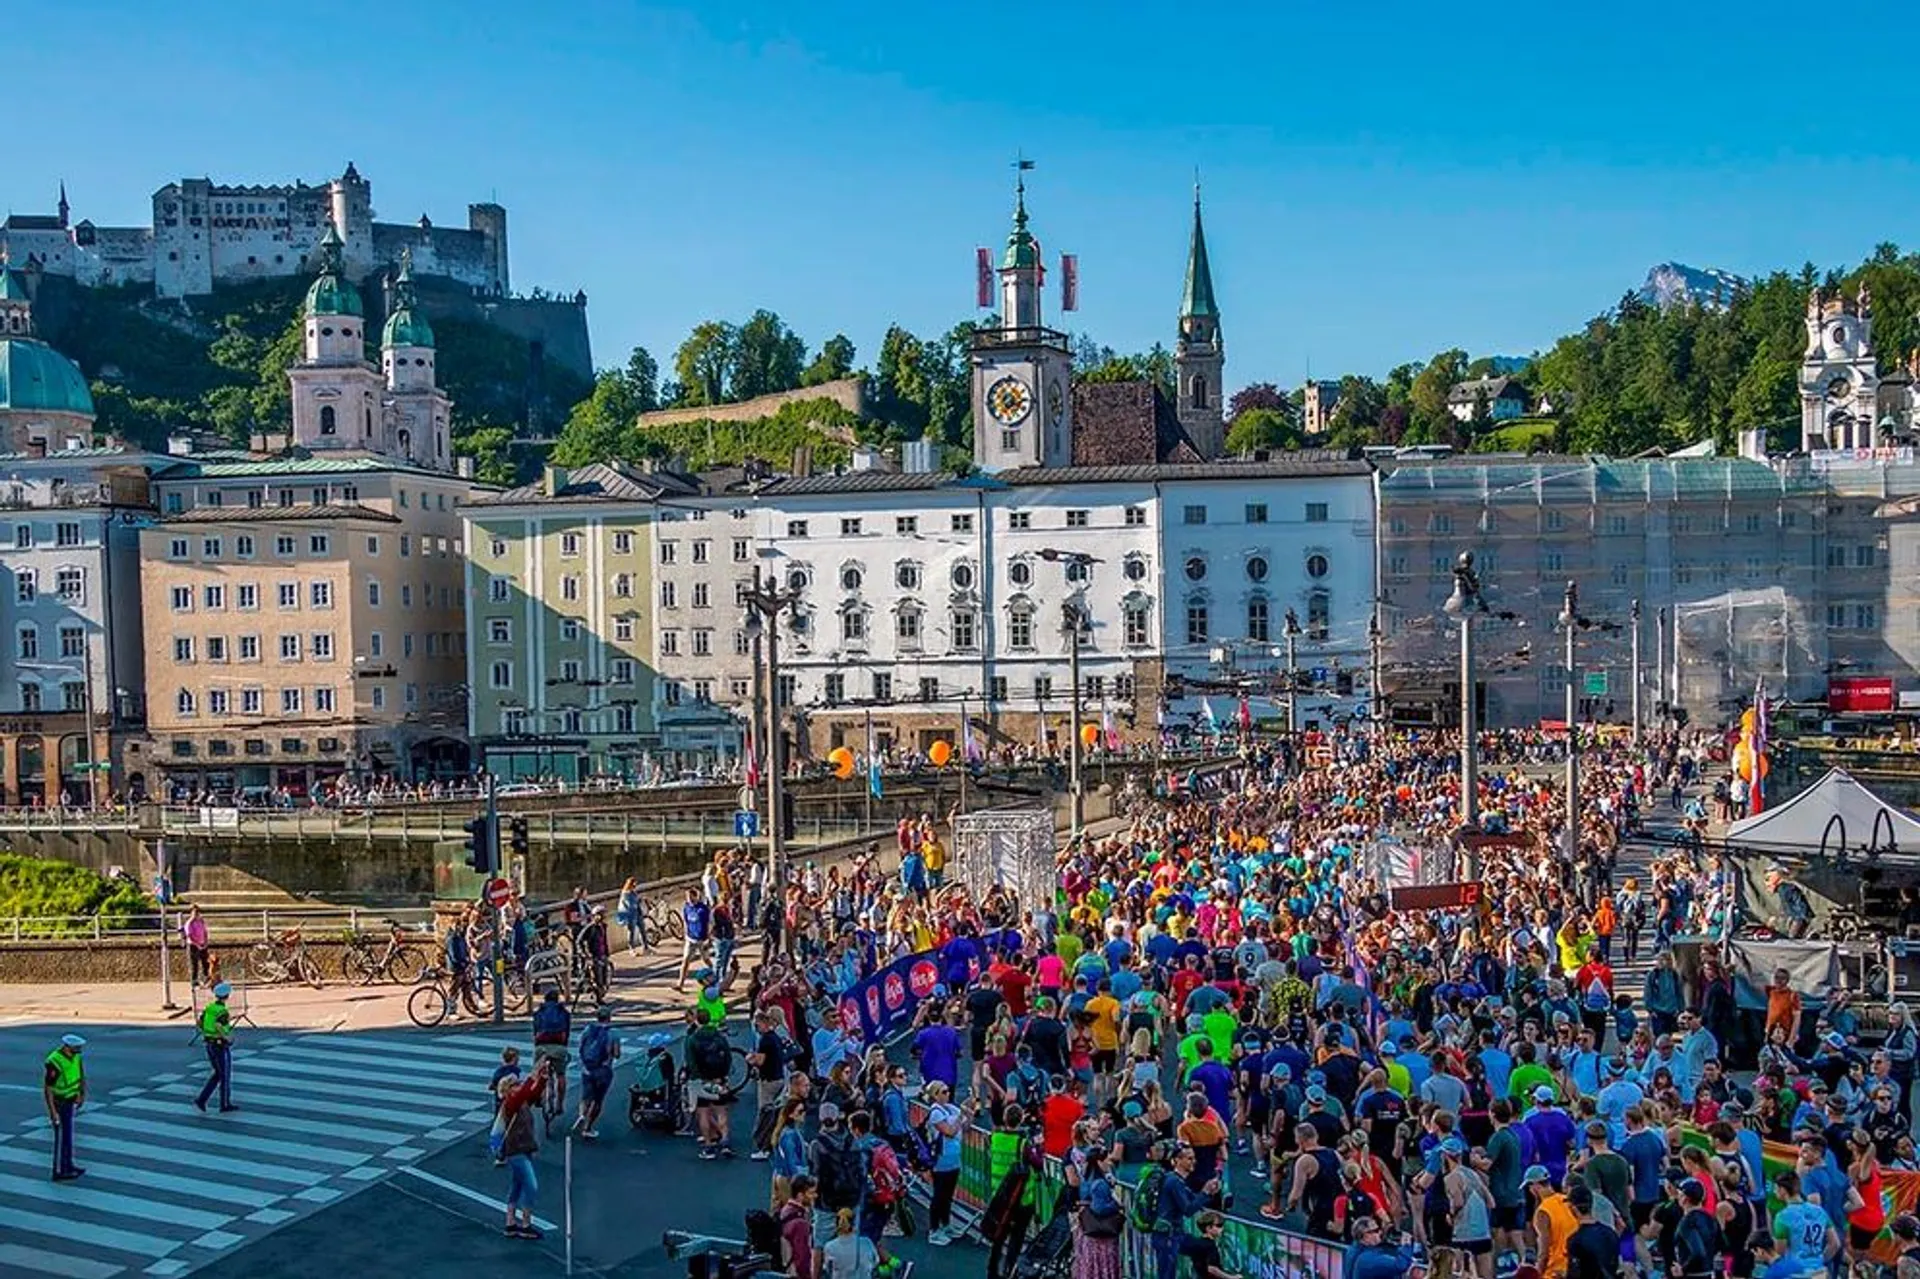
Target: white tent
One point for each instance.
(1795, 828)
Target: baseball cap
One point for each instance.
(221, 990)
(605, 1014)
(1453, 1146)
(829, 1112)
(1132, 1110)
(1389, 1049)
(1835, 1039)
(1316, 1094)
(1534, 1173)
(1543, 1094)
(1282, 1072)
(73, 1041)
(1692, 1189)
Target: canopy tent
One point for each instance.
(1795, 828)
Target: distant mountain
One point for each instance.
(1671, 284)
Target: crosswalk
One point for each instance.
(168, 1189)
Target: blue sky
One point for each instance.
(1381, 181)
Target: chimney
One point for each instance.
(802, 461)
(37, 447)
(866, 458)
(916, 457)
(556, 479)
(179, 445)
(1753, 445)
(463, 466)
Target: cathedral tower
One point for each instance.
(1839, 380)
(1022, 371)
(418, 413)
(336, 392)
(1199, 357)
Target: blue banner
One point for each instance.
(883, 1005)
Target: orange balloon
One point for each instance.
(1089, 735)
(842, 760)
(940, 752)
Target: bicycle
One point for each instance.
(363, 964)
(662, 920)
(285, 958)
(438, 997)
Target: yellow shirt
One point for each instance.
(934, 854)
(1106, 1022)
(1561, 1221)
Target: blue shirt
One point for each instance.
(1126, 984)
(1831, 1185)
(696, 916)
(1499, 1066)
(552, 1024)
(1217, 1080)
(1646, 1152)
(939, 1049)
(1802, 1229)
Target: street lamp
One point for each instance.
(1570, 620)
(1633, 617)
(1074, 625)
(1462, 605)
(765, 602)
(1292, 633)
(1374, 697)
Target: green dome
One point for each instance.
(407, 327)
(333, 295)
(35, 377)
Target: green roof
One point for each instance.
(1022, 249)
(35, 377)
(405, 327)
(13, 286)
(1197, 298)
(332, 293)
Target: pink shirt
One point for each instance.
(194, 929)
(1053, 973)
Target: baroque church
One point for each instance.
(1027, 411)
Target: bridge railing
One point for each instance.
(225, 925)
(550, 828)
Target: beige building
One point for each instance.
(305, 620)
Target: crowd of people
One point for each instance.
(1222, 1012)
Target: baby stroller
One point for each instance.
(655, 1098)
(1049, 1253)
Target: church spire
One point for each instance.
(65, 208)
(1196, 301)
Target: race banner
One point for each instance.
(883, 1005)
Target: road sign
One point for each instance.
(1594, 684)
(499, 893)
(746, 824)
(747, 799)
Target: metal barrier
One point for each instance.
(228, 925)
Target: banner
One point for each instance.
(982, 278)
(1899, 1191)
(1069, 282)
(882, 1005)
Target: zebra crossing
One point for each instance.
(168, 1189)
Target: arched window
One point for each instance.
(1319, 607)
(406, 441)
(1199, 391)
(328, 425)
(1258, 614)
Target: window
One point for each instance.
(1094, 688)
(1019, 519)
(376, 644)
(669, 551)
(623, 543)
(216, 648)
(1317, 566)
(737, 689)
(23, 540)
(214, 596)
(68, 534)
(1863, 557)
(850, 528)
(1752, 523)
(1078, 519)
(289, 648)
(288, 594)
(251, 701)
(1042, 687)
(906, 575)
(177, 548)
(1440, 522)
(1009, 441)
(1196, 569)
(318, 544)
(323, 700)
(378, 698)
(322, 647)
(71, 585)
(962, 523)
(669, 595)
(1020, 628)
(249, 648)
(623, 629)
(217, 701)
(907, 627)
(210, 548)
(500, 675)
(796, 528)
(320, 594)
(1257, 615)
(1836, 617)
(1552, 561)
(1319, 608)
(329, 420)
(1196, 621)
(1617, 525)
(1079, 570)
(962, 629)
(883, 686)
(183, 702)
(1683, 523)
(570, 671)
(283, 546)
(703, 643)
(1256, 568)
(1136, 516)
(1135, 568)
(30, 698)
(850, 577)
(836, 688)
(929, 689)
(853, 625)
(1865, 617)
(670, 692)
(243, 546)
(906, 525)
(620, 670)
(623, 586)
(497, 547)
(1135, 619)
(1020, 573)
(180, 596)
(669, 643)
(700, 550)
(497, 591)
(1256, 512)
(742, 550)
(1556, 521)
(997, 688)
(183, 648)
(1194, 515)
(290, 700)
(406, 539)
(962, 577)
(29, 643)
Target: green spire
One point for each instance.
(1196, 301)
(332, 293)
(1022, 249)
(406, 327)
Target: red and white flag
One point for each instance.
(1069, 282)
(982, 278)
(753, 760)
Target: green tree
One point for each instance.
(834, 362)
(1427, 395)
(767, 356)
(703, 362)
(491, 448)
(1262, 429)
(643, 379)
(601, 427)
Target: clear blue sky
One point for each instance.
(1381, 181)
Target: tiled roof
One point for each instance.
(273, 514)
(1493, 388)
(597, 482)
(193, 468)
(858, 482)
(1126, 424)
(1318, 463)
(86, 454)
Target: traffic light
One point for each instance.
(517, 836)
(483, 852)
(789, 816)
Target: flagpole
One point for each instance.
(965, 743)
(873, 768)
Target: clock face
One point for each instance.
(1009, 400)
(1839, 335)
(1056, 401)
(1838, 388)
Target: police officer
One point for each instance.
(216, 1028)
(65, 1088)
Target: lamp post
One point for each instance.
(1461, 605)
(1292, 634)
(1633, 618)
(764, 605)
(1073, 626)
(1570, 619)
(1375, 714)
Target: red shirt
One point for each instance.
(1183, 984)
(1058, 1114)
(1591, 971)
(1013, 985)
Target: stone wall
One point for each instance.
(849, 393)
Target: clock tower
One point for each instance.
(1839, 381)
(1022, 371)
(1199, 357)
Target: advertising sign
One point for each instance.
(1860, 693)
(884, 1004)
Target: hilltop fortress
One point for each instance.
(204, 235)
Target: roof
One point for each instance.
(1479, 478)
(1127, 423)
(192, 468)
(35, 377)
(596, 482)
(280, 514)
(1306, 464)
(332, 293)
(405, 327)
(1797, 828)
(1197, 298)
(13, 286)
(1494, 388)
(1022, 249)
(34, 222)
(858, 482)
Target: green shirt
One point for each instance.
(65, 1069)
(713, 1010)
(1069, 947)
(1528, 1077)
(1220, 1026)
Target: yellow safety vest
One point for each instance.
(1003, 1156)
(213, 1021)
(66, 1082)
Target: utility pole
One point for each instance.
(1375, 695)
(1466, 601)
(872, 763)
(1633, 617)
(499, 958)
(1660, 662)
(1570, 619)
(1292, 634)
(764, 606)
(1074, 622)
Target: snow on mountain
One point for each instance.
(1672, 283)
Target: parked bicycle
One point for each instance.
(367, 960)
(662, 919)
(438, 997)
(285, 958)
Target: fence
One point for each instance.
(1249, 1247)
(229, 927)
(418, 823)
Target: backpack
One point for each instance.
(709, 1052)
(763, 1233)
(841, 1176)
(1597, 998)
(1144, 1210)
(889, 1183)
(596, 1047)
